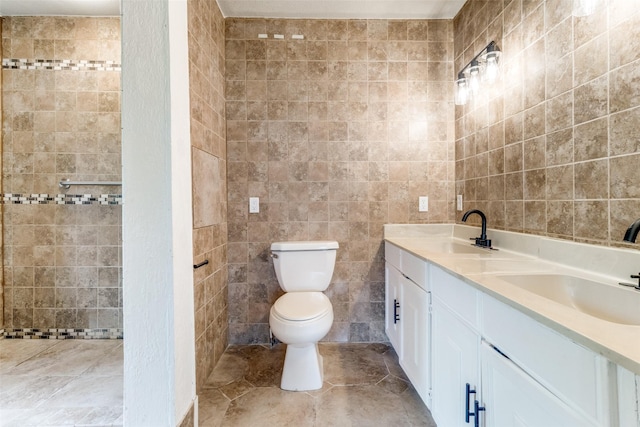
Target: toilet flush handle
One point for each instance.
(274, 255)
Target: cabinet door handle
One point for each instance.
(468, 393)
(396, 306)
(476, 412)
(476, 407)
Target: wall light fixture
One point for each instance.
(482, 70)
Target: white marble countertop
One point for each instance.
(520, 253)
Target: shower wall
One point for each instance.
(61, 119)
(209, 174)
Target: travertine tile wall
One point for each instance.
(61, 262)
(2, 292)
(337, 134)
(209, 172)
(553, 149)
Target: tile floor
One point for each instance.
(78, 382)
(364, 386)
(60, 382)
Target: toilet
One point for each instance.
(303, 315)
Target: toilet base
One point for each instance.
(302, 370)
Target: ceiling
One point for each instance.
(59, 7)
(332, 9)
(326, 9)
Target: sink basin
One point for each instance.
(607, 302)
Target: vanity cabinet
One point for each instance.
(407, 315)
(494, 366)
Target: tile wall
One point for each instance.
(553, 149)
(2, 291)
(209, 173)
(61, 120)
(337, 134)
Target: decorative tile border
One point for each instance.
(61, 334)
(60, 199)
(59, 64)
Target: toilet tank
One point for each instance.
(304, 266)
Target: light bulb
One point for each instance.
(462, 91)
(492, 69)
(474, 77)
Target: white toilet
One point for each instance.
(303, 315)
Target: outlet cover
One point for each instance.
(459, 202)
(254, 204)
(423, 204)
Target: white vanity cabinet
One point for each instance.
(519, 372)
(407, 320)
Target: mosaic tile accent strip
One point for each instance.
(62, 334)
(59, 64)
(61, 199)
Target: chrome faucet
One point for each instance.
(630, 236)
(481, 241)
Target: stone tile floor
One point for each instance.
(364, 386)
(60, 382)
(79, 382)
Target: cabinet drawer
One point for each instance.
(392, 255)
(575, 374)
(460, 297)
(415, 269)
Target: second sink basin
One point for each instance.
(607, 302)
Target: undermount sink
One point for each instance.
(611, 303)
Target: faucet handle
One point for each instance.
(631, 285)
(483, 243)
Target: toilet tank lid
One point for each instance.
(314, 245)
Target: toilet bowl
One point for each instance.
(303, 315)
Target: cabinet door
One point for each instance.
(455, 363)
(628, 398)
(393, 283)
(513, 398)
(414, 323)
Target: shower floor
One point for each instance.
(60, 382)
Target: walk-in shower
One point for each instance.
(61, 121)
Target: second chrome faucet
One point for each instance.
(481, 241)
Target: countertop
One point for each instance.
(533, 254)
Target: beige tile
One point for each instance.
(622, 130)
(624, 181)
(591, 180)
(591, 219)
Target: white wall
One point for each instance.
(159, 349)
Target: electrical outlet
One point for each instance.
(254, 204)
(423, 204)
(459, 202)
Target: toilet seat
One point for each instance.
(301, 306)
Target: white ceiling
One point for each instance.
(59, 7)
(326, 9)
